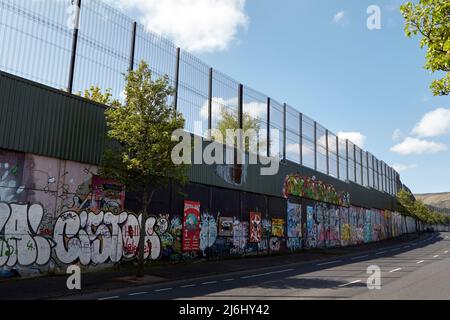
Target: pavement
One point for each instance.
(306, 275)
(417, 269)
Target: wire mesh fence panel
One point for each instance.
(321, 145)
(342, 148)
(193, 97)
(159, 53)
(332, 155)
(224, 102)
(255, 117)
(103, 51)
(36, 43)
(292, 134)
(276, 129)
(35, 40)
(308, 148)
(351, 162)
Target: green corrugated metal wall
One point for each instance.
(44, 121)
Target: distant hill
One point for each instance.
(439, 200)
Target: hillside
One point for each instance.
(440, 200)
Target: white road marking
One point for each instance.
(360, 257)
(436, 256)
(188, 286)
(137, 293)
(109, 298)
(266, 274)
(350, 283)
(209, 282)
(382, 252)
(326, 263)
(228, 280)
(165, 289)
(446, 252)
(395, 270)
(421, 261)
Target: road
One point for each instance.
(414, 270)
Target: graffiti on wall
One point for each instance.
(314, 189)
(208, 231)
(311, 225)
(86, 237)
(294, 220)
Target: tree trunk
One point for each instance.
(141, 246)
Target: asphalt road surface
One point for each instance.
(414, 270)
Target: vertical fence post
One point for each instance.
(368, 169)
(73, 57)
(362, 167)
(210, 94)
(354, 161)
(268, 126)
(337, 159)
(177, 79)
(301, 137)
(133, 45)
(240, 117)
(315, 145)
(346, 155)
(327, 152)
(284, 130)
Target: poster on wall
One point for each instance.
(226, 226)
(294, 224)
(278, 228)
(255, 227)
(191, 226)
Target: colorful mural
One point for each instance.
(191, 226)
(311, 188)
(294, 220)
(278, 228)
(55, 212)
(255, 227)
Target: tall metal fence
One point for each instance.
(75, 44)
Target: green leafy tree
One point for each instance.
(95, 93)
(141, 130)
(431, 19)
(229, 120)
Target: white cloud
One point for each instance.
(254, 109)
(398, 135)
(194, 25)
(293, 148)
(339, 18)
(418, 146)
(356, 137)
(403, 167)
(433, 124)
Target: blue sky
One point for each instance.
(320, 57)
(317, 56)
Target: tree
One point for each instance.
(229, 120)
(431, 19)
(94, 93)
(141, 128)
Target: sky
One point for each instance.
(321, 58)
